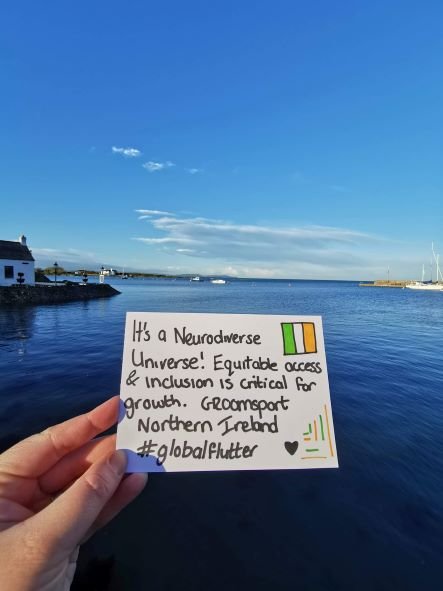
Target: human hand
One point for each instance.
(56, 489)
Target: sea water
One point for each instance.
(375, 523)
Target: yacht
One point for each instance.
(218, 281)
(196, 278)
(425, 286)
(429, 286)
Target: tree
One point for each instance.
(51, 271)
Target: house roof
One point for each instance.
(14, 251)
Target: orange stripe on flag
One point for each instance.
(309, 337)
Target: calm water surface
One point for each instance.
(376, 523)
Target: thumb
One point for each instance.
(66, 521)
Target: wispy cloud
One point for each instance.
(148, 213)
(311, 250)
(70, 257)
(152, 166)
(127, 152)
(194, 170)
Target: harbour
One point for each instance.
(384, 363)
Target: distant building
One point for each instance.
(16, 258)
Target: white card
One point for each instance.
(225, 392)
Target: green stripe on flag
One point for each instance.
(288, 338)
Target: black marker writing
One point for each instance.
(302, 385)
(209, 450)
(244, 404)
(262, 364)
(257, 383)
(132, 405)
(173, 423)
(139, 329)
(131, 379)
(188, 338)
(170, 382)
(250, 425)
(138, 359)
(310, 366)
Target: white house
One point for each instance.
(16, 262)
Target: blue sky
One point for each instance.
(265, 139)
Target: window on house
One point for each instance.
(9, 272)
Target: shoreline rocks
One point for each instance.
(54, 294)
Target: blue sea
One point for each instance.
(376, 523)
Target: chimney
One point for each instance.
(22, 240)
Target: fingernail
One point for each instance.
(118, 462)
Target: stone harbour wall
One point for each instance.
(54, 294)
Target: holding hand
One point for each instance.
(56, 489)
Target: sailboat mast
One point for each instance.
(437, 264)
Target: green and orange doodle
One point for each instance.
(318, 438)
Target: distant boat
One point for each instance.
(196, 278)
(422, 285)
(124, 275)
(218, 281)
(425, 286)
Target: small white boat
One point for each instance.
(429, 286)
(218, 281)
(196, 278)
(425, 286)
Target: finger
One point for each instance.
(35, 455)
(65, 522)
(128, 490)
(74, 464)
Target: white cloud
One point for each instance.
(152, 166)
(193, 170)
(71, 258)
(127, 152)
(166, 240)
(263, 250)
(151, 212)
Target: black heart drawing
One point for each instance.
(291, 447)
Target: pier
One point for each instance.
(384, 283)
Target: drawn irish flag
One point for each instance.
(299, 338)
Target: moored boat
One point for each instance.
(429, 285)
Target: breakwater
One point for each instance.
(54, 294)
(384, 283)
